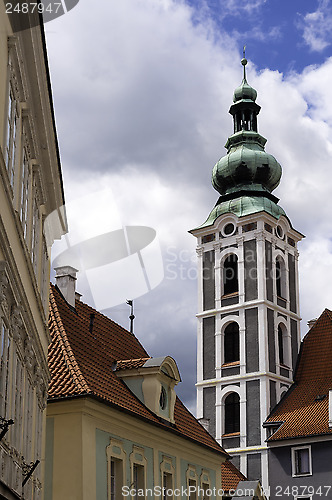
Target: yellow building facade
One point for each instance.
(115, 427)
(30, 190)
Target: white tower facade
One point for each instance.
(248, 306)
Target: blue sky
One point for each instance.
(141, 97)
(281, 35)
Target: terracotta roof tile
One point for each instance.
(230, 476)
(82, 361)
(129, 364)
(300, 411)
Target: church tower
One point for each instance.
(248, 310)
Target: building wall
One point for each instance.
(30, 190)
(84, 434)
(283, 485)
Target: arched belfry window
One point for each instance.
(231, 343)
(280, 277)
(230, 275)
(282, 345)
(232, 413)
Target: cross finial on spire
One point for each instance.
(244, 62)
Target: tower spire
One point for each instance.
(244, 63)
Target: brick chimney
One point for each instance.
(65, 279)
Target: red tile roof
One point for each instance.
(299, 410)
(230, 476)
(82, 363)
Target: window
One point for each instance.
(116, 478)
(4, 371)
(138, 464)
(192, 482)
(167, 486)
(301, 461)
(24, 192)
(280, 278)
(232, 413)
(11, 135)
(230, 275)
(192, 489)
(231, 343)
(167, 472)
(205, 491)
(138, 480)
(116, 460)
(281, 346)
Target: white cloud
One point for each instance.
(317, 26)
(141, 101)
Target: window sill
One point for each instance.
(229, 365)
(231, 434)
(228, 295)
(302, 475)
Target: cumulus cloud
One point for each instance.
(317, 26)
(141, 101)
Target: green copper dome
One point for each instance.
(246, 166)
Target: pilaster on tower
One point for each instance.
(248, 305)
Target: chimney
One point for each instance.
(311, 322)
(65, 278)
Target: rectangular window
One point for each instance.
(24, 192)
(168, 486)
(139, 483)
(301, 461)
(4, 372)
(116, 478)
(12, 119)
(35, 235)
(206, 491)
(192, 489)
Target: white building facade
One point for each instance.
(30, 190)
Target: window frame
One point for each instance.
(142, 462)
(191, 476)
(231, 288)
(235, 344)
(166, 467)
(294, 451)
(236, 430)
(120, 457)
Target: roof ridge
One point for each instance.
(66, 350)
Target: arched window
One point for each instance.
(280, 277)
(232, 413)
(231, 343)
(281, 346)
(230, 275)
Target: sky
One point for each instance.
(141, 94)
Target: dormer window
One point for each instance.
(152, 380)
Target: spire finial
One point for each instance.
(244, 63)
